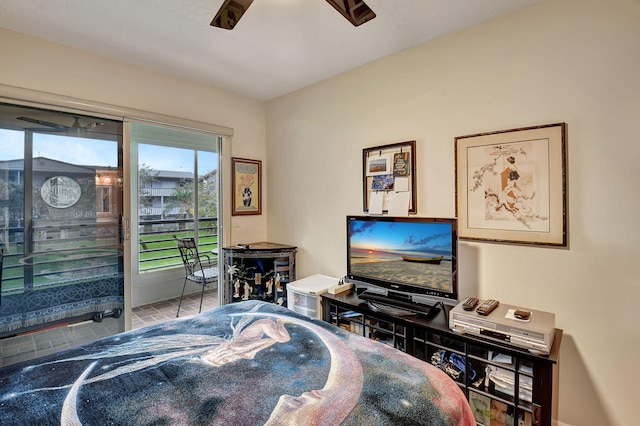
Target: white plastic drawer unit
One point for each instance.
(303, 296)
(304, 304)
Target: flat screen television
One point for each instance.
(409, 262)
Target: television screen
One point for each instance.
(410, 255)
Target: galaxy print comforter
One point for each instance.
(248, 363)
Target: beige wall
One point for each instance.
(573, 61)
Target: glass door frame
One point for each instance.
(70, 264)
(165, 280)
(34, 98)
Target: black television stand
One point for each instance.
(530, 395)
(389, 309)
(397, 304)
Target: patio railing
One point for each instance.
(72, 251)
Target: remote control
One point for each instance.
(487, 307)
(469, 303)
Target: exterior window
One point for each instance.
(59, 227)
(177, 194)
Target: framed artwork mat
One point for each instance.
(511, 185)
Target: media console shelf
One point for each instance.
(499, 380)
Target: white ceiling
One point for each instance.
(277, 47)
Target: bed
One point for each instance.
(247, 363)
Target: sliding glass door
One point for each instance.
(175, 175)
(69, 211)
(61, 192)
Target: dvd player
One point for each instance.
(535, 334)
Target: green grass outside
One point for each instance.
(161, 246)
(164, 255)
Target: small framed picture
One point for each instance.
(378, 165)
(246, 181)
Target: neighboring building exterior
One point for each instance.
(166, 194)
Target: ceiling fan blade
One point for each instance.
(356, 11)
(44, 130)
(230, 13)
(60, 127)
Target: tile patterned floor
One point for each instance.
(165, 310)
(52, 340)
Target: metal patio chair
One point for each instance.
(198, 267)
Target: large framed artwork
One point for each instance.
(247, 187)
(511, 185)
(389, 179)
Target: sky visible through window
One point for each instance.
(176, 159)
(95, 152)
(79, 151)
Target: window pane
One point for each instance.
(11, 208)
(60, 204)
(208, 201)
(171, 200)
(71, 240)
(165, 199)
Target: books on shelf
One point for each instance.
(480, 405)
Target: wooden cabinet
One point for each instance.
(499, 380)
(258, 271)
